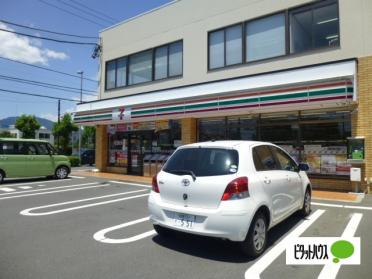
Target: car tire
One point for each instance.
(2, 175)
(61, 173)
(306, 207)
(255, 242)
(164, 232)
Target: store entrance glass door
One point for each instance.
(139, 143)
(134, 154)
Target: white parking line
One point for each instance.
(342, 206)
(51, 192)
(100, 235)
(25, 187)
(78, 177)
(330, 270)
(27, 212)
(45, 189)
(6, 189)
(259, 266)
(38, 182)
(132, 184)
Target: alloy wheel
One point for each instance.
(259, 234)
(61, 173)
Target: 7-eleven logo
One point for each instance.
(121, 113)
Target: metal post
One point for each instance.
(58, 121)
(81, 73)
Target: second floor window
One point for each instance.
(297, 30)
(153, 64)
(225, 47)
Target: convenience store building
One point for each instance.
(296, 73)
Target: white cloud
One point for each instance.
(53, 116)
(49, 116)
(54, 54)
(26, 50)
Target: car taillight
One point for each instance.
(236, 189)
(155, 186)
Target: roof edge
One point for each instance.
(139, 15)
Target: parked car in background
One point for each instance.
(235, 190)
(31, 158)
(88, 157)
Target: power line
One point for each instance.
(47, 69)
(47, 31)
(36, 95)
(46, 85)
(71, 13)
(51, 84)
(95, 11)
(85, 11)
(48, 39)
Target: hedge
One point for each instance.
(74, 160)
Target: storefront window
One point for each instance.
(240, 128)
(212, 129)
(316, 138)
(130, 145)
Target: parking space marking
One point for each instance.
(25, 187)
(45, 189)
(27, 212)
(259, 266)
(330, 270)
(129, 183)
(37, 182)
(78, 177)
(342, 206)
(6, 189)
(100, 235)
(20, 194)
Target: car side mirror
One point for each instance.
(303, 167)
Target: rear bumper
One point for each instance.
(230, 220)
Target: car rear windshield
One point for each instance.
(203, 161)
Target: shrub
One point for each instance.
(74, 160)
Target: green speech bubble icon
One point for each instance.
(342, 249)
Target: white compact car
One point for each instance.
(234, 190)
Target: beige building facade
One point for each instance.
(296, 72)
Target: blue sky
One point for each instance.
(62, 57)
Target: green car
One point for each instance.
(31, 158)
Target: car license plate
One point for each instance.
(184, 220)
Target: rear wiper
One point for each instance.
(190, 172)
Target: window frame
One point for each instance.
(287, 13)
(312, 7)
(127, 64)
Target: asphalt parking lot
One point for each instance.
(86, 227)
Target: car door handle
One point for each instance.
(288, 178)
(267, 180)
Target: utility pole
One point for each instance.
(59, 117)
(81, 73)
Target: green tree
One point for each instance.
(28, 125)
(6, 134)
(63, 130)
(88, 137)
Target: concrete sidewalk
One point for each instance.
(323, 195)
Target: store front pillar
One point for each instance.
(361, 119)
(101, 147)
(188, 130)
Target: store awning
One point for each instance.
(323, 86)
